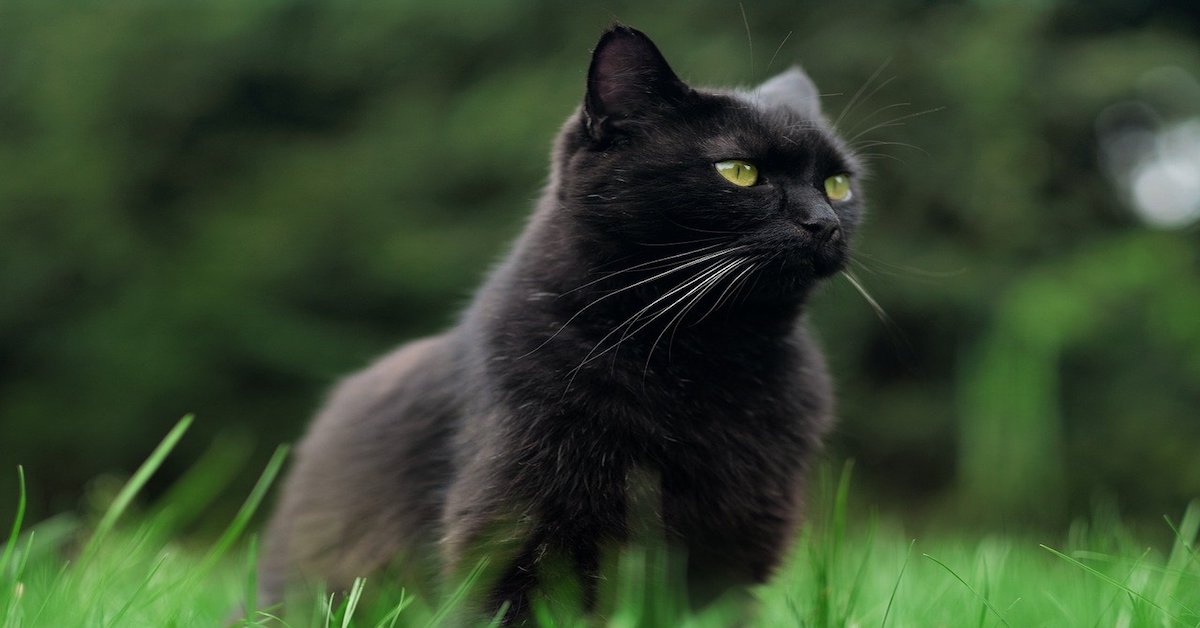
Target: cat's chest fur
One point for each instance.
(670, 385)
(725, 413)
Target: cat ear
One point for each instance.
(791, 89)
(628, 76)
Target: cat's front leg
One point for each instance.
(528, 539)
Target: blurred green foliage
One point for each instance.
(221, 207)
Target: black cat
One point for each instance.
(649, 323)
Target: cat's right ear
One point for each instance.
(628, 76)
(792, 89)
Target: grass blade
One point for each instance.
(456, 599)
(356, 590)
(389, 620)
(20, 572)
(238, 525)
(17, 520)
(133, 486)
(856, 586)
(985, 601)
(1183, 551)
(137, 592)
(250, 607)
(189, 496)
(840, 504)
(899, 578)
(498, 618)
(54, 583)
(1106, 578)
(987, 592)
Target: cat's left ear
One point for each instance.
(791, 89)
(628, 77)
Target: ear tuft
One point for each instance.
(628, 76)
(792, 89)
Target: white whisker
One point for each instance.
(893, 122)
(884, 155)
(650, 265)
(868, 97)
(698, 277)
(672, 270)
(879, 311)
(703, 289)
(878, 111)
(881, 143)
(749, 39)
(854, 99)
(681, 243)
(785, 38)
(671, 340)
(725, 293)
(710, 274)
(900, 270)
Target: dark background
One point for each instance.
(221, 207)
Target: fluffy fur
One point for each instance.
(647, 324)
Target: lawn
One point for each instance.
(130, 567)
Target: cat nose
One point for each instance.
(823, 228)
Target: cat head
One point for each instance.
(651, 162)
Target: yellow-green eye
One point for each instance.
(738, 172)
(837, 187)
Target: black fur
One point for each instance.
(517, 432)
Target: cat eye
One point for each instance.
(738, 172)
(837, 187)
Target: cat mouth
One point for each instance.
(818, 257)
(829, 258)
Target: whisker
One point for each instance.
(884, 155)
(879, 311)
(725, 293)
(931, 274)
(882, 84)
(629, 321)
(890, 273)
(704, 289)
(761, 265)
(881, 143)
(854, 99)
(878, 111)
(680, 243)
(711, 274)
(699, 230)
(749, 39)
(746, 285)
(678, 320)
(672, 270)
(742, 282)
(671, 340)
(785, 38)
(893, 122)
(863, 266)
(894, 331)
(650, 265)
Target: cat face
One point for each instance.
(654, 163)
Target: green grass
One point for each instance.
(130, 568)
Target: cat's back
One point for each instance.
(369, 477)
